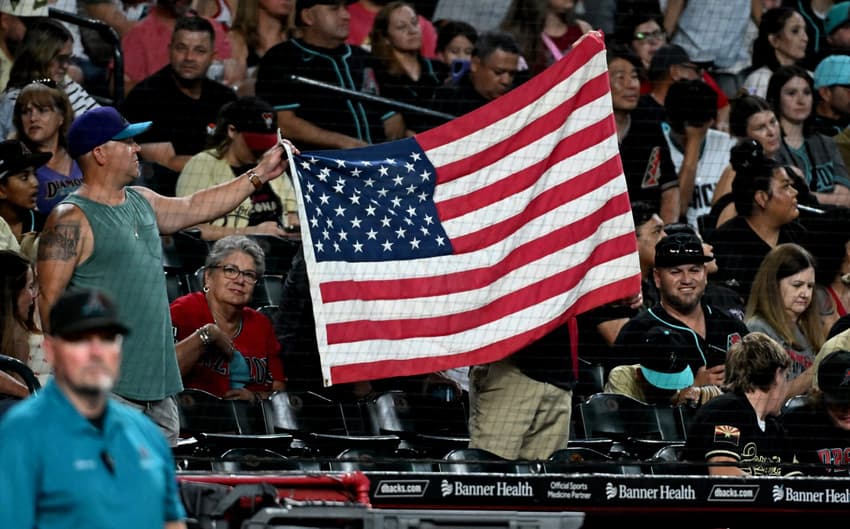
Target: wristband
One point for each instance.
(254, 179)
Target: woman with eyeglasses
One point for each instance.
(44, 55)
(544, 29)
(42, 118)
(223, 346)
(781, 41)
(780, 305)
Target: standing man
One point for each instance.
(680, 275)
(63, 450)
(106, 235)
(180, 100)
(316, 117)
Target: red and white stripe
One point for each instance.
(530, 190)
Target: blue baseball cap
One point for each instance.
(837, 16)
(662, 359)
(833, 70)
(98, 126)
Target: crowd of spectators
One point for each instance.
(732, 118)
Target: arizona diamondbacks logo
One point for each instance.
(653, 168)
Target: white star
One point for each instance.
(398, 180)
(324, 198)
(383, 170)
(385, 222)
(336, 246)
(314, 222)
(324, 174)
(422, 197)
(343, 236)
(440, 241)
(367, 163)
(428, 219)
(340, 181)
(399, 233)
(320, 247)
(310, 187)
(383, 192)
(358, 247)
(356, 172)
(340, 163)
(388, 246)
(355, 198)
(308, 199)
(313, 159)
(326, 234)
(415, 156)
(339, 188)
(390, 161)
(305, 165)
(414, 244)
(355, 222)
(369, 182)
(425, 176)
(424, 231)
(411, 211)
(340, 211)
(408, 221)
(396, 202)
(411, 189)
(329, 222)
(371, 234)
(319, 212)
(409, 167)
(370, 210)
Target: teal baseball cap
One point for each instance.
(663, 359)
(832, 71)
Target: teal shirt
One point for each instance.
(126, 262)
(54, 475)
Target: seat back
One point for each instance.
(306, 412)
(466, 460)
(201, 411)
(401, 413)
(618, 417)
(191, 251)
(365, 459)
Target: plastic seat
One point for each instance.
(203, 412)
(580, 460)
(797, 401)
(191, 251)
(591, 379)
(365, 459)
(426, 424)
(253, 460)
(670, 460)
(466, 460)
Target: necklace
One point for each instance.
(238, 325)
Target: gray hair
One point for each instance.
(237, 243)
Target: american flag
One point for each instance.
(467, 242)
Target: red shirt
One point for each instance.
(361, 24)
(257, 343)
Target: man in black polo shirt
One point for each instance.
(180, 100)
(681, 277)
(317, 118)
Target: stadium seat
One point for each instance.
(190, 249)
(670, 460)
(15, 366)
(203, 412)
(591, 379)
(467, 460)
(365, 459)
(797, 401)
(428, 425)
(572, 460)
(320, 426)
(253, 460)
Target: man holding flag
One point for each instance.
(473, 241)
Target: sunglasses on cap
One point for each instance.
(643, 35)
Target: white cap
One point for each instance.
(25, 8)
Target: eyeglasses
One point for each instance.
(657, 34)
(49, 83)
(232, 272)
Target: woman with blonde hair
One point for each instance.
(258, 26)
(780, 305)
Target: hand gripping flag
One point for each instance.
(465, 243)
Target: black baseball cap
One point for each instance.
(834, 377)
(15, 157)
(667, 56)
(662, 359)
(305, 4)
(679, 249)
(83, 310)
(255, 119)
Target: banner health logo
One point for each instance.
(400, 488)
(734, 493)
(446, 488)
(610, 491)
(778, 492)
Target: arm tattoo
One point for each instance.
(59, 243)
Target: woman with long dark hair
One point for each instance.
(781, 41)
(17, 313)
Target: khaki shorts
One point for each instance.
(514, 416)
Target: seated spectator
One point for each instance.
(495, 63)
(42, 117)
(737, 433)
(781, 41)
(750, 117)
(223, 346)
(820, 431)
(19, 190)
(662, 376)
(13, 20)
(45, 53)
(650, 175)
(836, 28)
(455, 42)
(17, 326)
(766, 204)
(144, 49)
(680, 276)
(670, 64)
(649, 229)
(780, 305)
(244, 130)
(257, 27)
(814, 14)
(180, 100)
(790, 92)
(832, 106)
(545, 30)
(318, 118)
(363, 13)
(831, 251)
